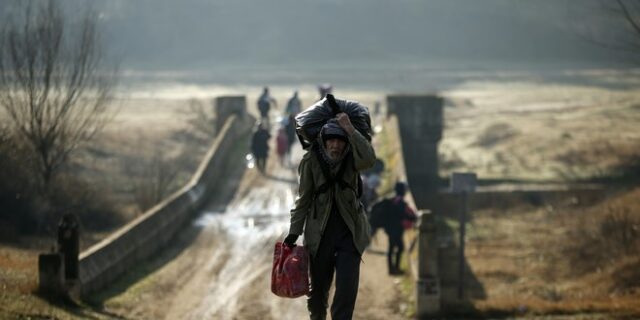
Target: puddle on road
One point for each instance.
(264, 212)
(251, 226)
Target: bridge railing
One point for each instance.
(133, 243)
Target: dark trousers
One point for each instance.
(264, 118)
(394, 254)
(336, 253)
(261, 163)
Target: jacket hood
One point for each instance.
(325, 153)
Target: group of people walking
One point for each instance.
(286, 132)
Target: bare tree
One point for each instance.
(158, 180)
(611, 24)
(630, 11)
(628, 37)
(201, 123)
(51, 84)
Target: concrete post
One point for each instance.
(462, 234)
(428, 283)
(463, 184)
(69, 244)
(421, 122)
(226, 106)
(51, 274)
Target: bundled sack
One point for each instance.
(310, 121)
(290, 272)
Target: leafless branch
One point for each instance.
(157, 181)
(614, 25)
(630, 18)
(201, 123)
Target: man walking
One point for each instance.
(336, 230)
(260, 146)
(293, 105)
(264, 105)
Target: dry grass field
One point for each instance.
(539, 131)
(553, 258)
(556, 258)
(562, 258)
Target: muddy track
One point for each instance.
(224, 272)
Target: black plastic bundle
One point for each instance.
(310, 121)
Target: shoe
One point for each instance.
(396, 272)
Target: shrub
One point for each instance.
(154, 180)
(605, 233)
(18, 189)
(24, 210)
(620, 230)
(92, 204)
(495, 134)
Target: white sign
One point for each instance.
(463, 182)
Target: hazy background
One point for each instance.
(167, 34)
(351, 42)
(530, 102)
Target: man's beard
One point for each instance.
(330, 159)
(335, 155)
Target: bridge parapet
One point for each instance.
(136, 241)
(226, 106)
(420, 119)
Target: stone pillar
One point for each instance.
(226, 106)
(69, 244)
(420, 118)
(51, 274)
(428, 283)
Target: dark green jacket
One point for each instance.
(311, 210)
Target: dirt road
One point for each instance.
(222, 270)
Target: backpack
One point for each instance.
(264, 104)
(387, 214)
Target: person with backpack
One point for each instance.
(327, 211)
(294, 105)
(264, 105)
(394, 215)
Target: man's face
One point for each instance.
(335, 147)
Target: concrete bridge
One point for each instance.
(420, 123)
